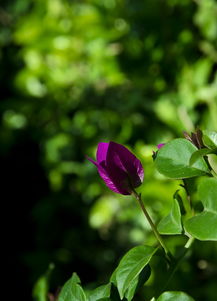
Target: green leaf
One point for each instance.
(198, 154)
(173, 160)
(72, 290)
(174, 296)
(210, 139)
(204, 225)
(100, 293)
(138, 282)
(114, 296)
(41, 287)
(40, 290)
(131, 266)
(207, 192)
(171, 224)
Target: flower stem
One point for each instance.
(154, 229)
(187, 203)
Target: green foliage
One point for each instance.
(171, 224)
(173, 160)
(198, 154)
(138, 283)
(130, 267)
(72, 290)
(41, 287)
(174, 296)
(100, 293)
(203, 226)
(210, 139)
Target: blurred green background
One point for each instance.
(74, 73)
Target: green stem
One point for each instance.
(189, 243)
(154, 229)
(188, 205)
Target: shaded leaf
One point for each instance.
(131, 266)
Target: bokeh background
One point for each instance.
(74, 73)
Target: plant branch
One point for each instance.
(154, 229)
(185, 185)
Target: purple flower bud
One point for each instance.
(160, 145)
(118, 167)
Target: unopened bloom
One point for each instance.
(160, 145)
(118, 167)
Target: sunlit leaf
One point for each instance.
(100, 293)
(199, 154)
(138, 282)
(72, 290)
(41, 287)
(203, 226)
(40, 290)
(174, 296)
(173, 160)
(171, 224)
(131, 266)
(210, 139)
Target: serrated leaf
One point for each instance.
(72, 290)
(210, 139)
(173, 160)
(204, 225)
(130, 266)
(171, 224)
(100, 293)
(174, 296)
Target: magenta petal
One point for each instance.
(160, 145)
(110, 183)
(116, 187)
(118, 167)
(119, 158)
(101, 152)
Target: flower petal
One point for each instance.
(110, 183)
(118, 159)
(118, 167)
(101, 152)
(160, 145)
